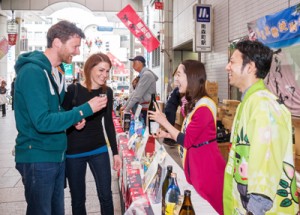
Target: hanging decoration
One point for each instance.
(89, 44)
(12, 30)
(98, 42)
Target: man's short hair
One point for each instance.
(260, 54)
(63, 30)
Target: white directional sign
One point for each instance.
(203, 28)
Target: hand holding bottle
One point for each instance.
(157, 115)
(160, 117)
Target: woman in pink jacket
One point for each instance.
(203, 163)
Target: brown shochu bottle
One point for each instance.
(187, 207)
(165, 186)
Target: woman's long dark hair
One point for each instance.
(196, 78)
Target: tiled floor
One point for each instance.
(12, 200)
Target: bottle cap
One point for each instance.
(187, 193)
(170, 167)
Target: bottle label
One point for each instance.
(154, 126)
(170, 206)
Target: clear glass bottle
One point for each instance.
(153, 126)
(187, 207)
(172, 195)
(165, 186)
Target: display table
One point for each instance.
(131, 183)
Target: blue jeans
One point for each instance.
(76, 171)
(44, 187)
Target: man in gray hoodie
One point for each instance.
(145, 87)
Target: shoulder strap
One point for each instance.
(75, 94)
(209, 103)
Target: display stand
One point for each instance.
(134, 200)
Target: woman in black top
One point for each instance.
(88, 145)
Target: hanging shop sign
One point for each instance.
(203, 28)
(278, 30)
(158, 5)
(12, 30)
(104, 28)
(138, 28)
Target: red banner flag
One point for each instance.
(138, 28)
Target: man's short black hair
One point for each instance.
(260, 54)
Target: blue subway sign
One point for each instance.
(203, 13)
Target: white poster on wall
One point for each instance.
(203, 28)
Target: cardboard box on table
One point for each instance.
(212, 90)
(228, 112)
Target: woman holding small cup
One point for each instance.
(86, 141)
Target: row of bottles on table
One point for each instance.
(171, 202)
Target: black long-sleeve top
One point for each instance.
(172, 104)
(91, 136)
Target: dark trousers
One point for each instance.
(3, 110)
(12, 103)
(44, 187)
(76, 171)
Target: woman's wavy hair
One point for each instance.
(196, 79)
(92, 61)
